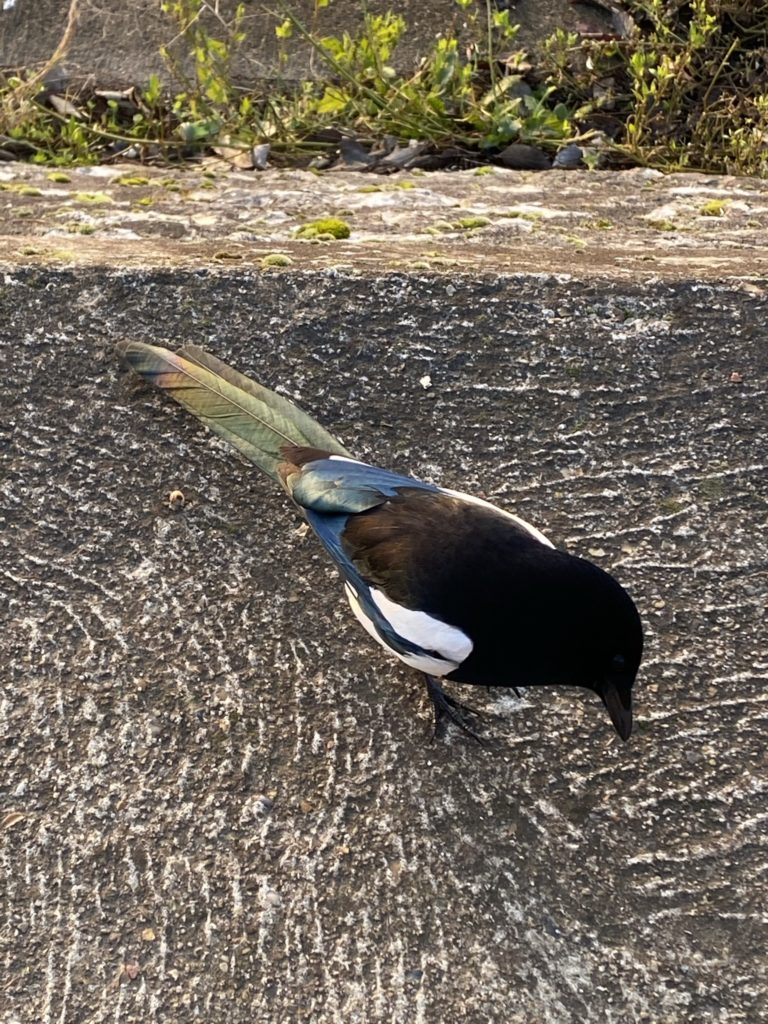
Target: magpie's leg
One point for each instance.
(449, 707)
(451, 701)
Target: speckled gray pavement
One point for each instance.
(220, 802)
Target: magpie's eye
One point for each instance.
(618, 663)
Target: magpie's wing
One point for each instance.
(332, 492)
(399, 534)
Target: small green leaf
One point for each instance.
(333, 100)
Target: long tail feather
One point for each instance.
(247, 415)
(317, 436)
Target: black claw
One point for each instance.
(514, 689)
(447, 707)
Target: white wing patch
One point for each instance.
(424, 631)
(450, 645)
(502, 512)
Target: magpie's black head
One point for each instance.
(542, 617)
(581, 628)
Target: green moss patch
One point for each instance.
(324, 229)
(275, 259)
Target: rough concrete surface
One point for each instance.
(119, 44)
(636, 224)
(220, 802)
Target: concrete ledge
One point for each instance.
(220, 802)
(634, 225)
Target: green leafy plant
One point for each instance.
(199, 62)
(683, 89)
(682, 86)
(457, 93)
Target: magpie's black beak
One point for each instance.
(618, 702)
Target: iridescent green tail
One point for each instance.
(250, 417)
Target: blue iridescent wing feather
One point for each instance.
(336, 485)
(330, 492)
(328, 530)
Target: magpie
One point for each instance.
(455, 587)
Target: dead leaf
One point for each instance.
(63, 106)
(240, 158)
(12, 818)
